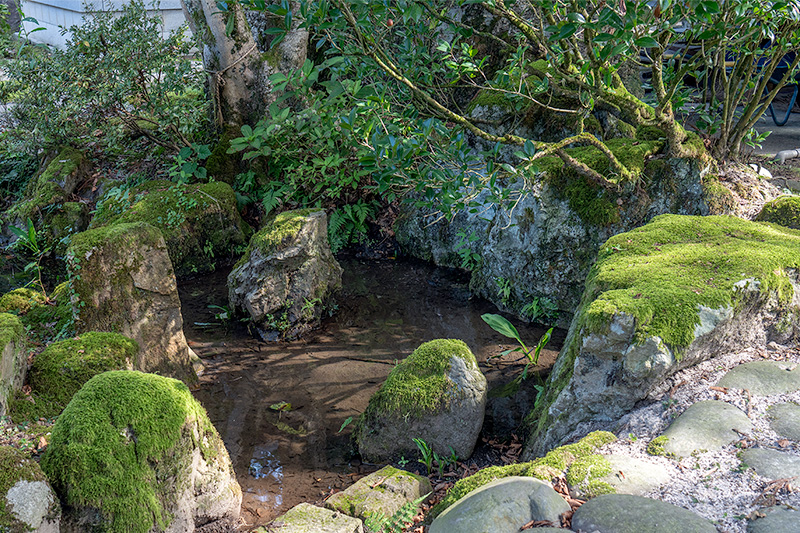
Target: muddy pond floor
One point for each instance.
(385, 310)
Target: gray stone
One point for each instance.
(32, 502)
(380, 493)
(502, 506)
(454, 408)
(13, 359)
(621, 473)
(305, 518)
(772, 464)
(705, 426)
(784, 419)
(763, 378)
(286, 274)
(777, 520)
(123, 282)
(623, 513)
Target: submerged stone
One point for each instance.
(306, 518)
(381, 493)
(763, 378)
(705, 426)
(784, 419)
(437, 394)
(623, 513)
(502, 506)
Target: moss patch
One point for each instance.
(11, 330)
(585, 474)
(545, 468)
(46, 322)
(116, 433)
(14, 467)
(284, 226)
(64, 367)
(656, 446)
(784, 211)
(20, 301)
(419, 384)
(718, 197)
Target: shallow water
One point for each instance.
(386, 309)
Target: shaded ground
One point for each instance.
(386, 310)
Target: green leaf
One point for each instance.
(646, 42)
(501, 325)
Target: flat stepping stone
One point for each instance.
(502, 506)
(380, 493)
(615, 474)
(705, 426)
(778, 520)
(785, 420)
(624, 513)
(772, 464)
(763, 378)
(306, 518)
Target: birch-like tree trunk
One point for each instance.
(239, 62)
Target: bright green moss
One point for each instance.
(656, 446)
(11, 330)
(662, 272)
(20, 301)
(419, 383)
(14, 467)
(47, 321)
(64, 367)
(784, 211)
(718, 197)
(109, 441)
(586, 473)
(545, 468)
(650, 133)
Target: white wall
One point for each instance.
(52, 15)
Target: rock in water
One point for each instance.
(286, 275)
(135, 453)
(123, 282)
(437, 394)
(27, 503)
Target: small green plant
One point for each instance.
(27, 240)
(443, 461)
(346, 423)
(501, 325)
(469, 259)
(426, 454)
(186, 166)
(348, 224)
(307, 311)
(380, 523)
(504, 289)
(540, 308)
(403, 461)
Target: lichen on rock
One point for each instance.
(135, 453)
(27, 502)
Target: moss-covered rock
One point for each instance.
(135, 453)
(662, 297)
(63, 367)
(784, 211)
(437, 394)
(46, 321)
(20, 301)
(122, 281)
(67, 219)
(200, 223)
(13, 358)
(545, 468)
(27, 502)
(286, 275)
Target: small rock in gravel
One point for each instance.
(707, 425)
(502, 506)
(623, 513)
(306, 518)
(785, 420)
(778, 520)
(763, 378)
(772, 464)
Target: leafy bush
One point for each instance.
(115, 77)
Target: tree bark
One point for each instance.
(239, 64)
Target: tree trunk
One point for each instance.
(239, 64)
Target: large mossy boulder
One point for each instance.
(784, 211)
(544, 247)
(49, 189)
(65, 366)
(200, 223)
(27, 502)
(661, 298)
(437, 394)
(286, 275)
(123, 282)
(13, 358)
(136, 453)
